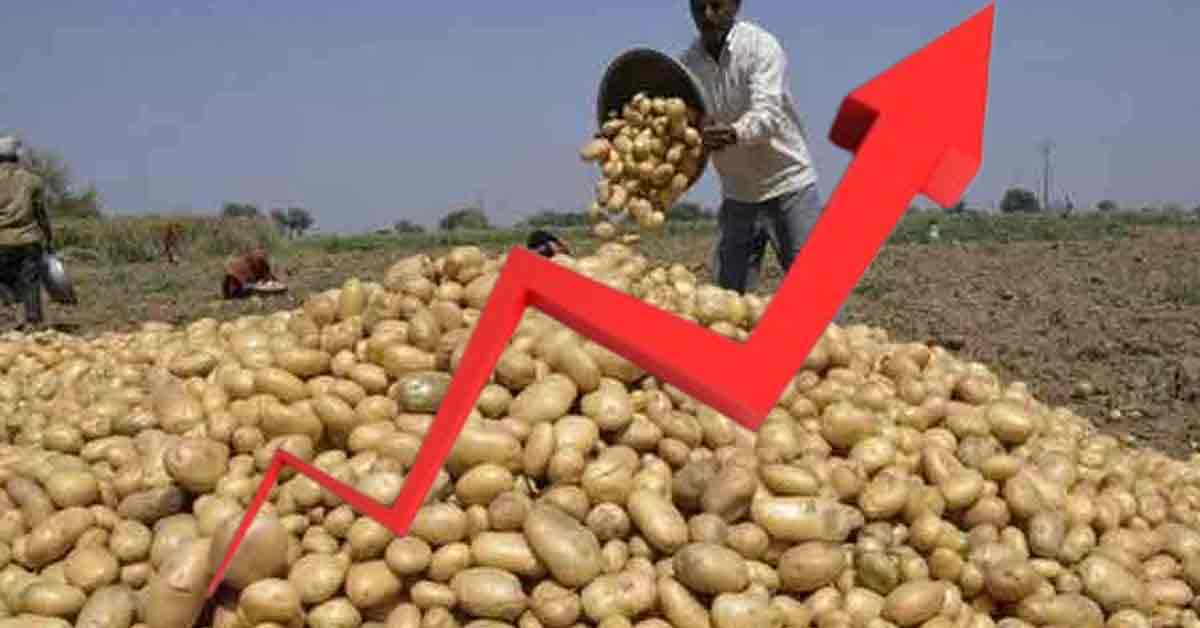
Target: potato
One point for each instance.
(570, 552)
(335, 613)
(52, 599)
(809, 566)
(421, 391)
(175, 594)
(490, 593)
(508, 551)
(91, 568)
(69, 488)
(371, 583)
(53, 538)
(482, 484)
(303, 362)
(108, 607)
(710, 569)
(1010, 580)
(658, 520)
(628, 594)
(750, 608)
(439, 524)
(269, 600)
(596, 150)
(730, 492)
(317, 578)
(196, 464)
(1112, 585)
(279, 384)
(408, 555)
(545, 400)
(800, 519)
(913, 603)
(262, 553)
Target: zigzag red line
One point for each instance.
(740, 380)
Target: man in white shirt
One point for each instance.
(756, 139)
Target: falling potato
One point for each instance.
(648, 154)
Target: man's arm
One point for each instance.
(768, 73)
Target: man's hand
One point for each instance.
(718, 136)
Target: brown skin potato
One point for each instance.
(175, 594)
(262, 553)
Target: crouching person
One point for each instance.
(244, 272)
(24, 231)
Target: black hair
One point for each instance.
(540, 238)
(542, 242)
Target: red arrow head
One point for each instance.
(948, 122)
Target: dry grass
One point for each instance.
(126, 240)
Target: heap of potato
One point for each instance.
(648, 153)
(892, 485)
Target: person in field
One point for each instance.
(25, 232)
(244, 272)
(756, 140)
(546, 244)
(171, 234)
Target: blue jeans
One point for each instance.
(745, 229)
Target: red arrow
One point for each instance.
(917, 128)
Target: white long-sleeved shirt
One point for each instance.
(748, 90)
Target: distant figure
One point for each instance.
(935, 234)
(243, 272)
(546, 244)
(24, 231)
(172, 232)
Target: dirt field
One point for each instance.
(1110, 328)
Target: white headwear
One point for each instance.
(10, 146)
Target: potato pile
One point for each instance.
(649, 153)
(893, 484)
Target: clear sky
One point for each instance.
(367, 112)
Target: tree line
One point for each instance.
(475, 218)
(67, 198)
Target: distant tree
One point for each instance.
(299, 220)
(405, 225)
(83, 204)
(465, 218)
(1019, 200)
(62, 196)
(239, 210)
(1107, 206)
(552, 218)
(1196, 210)
(1173, 208)
(957, 208)
(686, 212)
(293, 221)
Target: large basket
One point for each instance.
(655, 73)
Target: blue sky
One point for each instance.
(367, 112)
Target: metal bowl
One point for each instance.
(658, 75)
(55, 279)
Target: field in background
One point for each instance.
(1097, 312)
